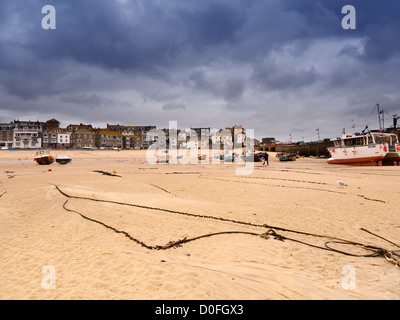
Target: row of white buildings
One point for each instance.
(34, 134)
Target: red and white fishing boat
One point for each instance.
(43, 157)
(372, 148)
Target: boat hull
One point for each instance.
(367, 155)
(63, 161)
(287, 159)
(372, 161)
(44, 160)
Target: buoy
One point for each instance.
(114, 171)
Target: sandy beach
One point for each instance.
(95, 247)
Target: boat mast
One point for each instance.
(381, 121)
(395, 118)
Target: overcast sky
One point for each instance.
(279, 67)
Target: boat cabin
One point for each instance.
(352, 140)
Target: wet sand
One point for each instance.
(92, 249)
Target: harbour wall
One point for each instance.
(316, 149)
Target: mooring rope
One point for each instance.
(154, 185)
(171, 244)
(389, 255)
(271, 185)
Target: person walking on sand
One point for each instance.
(266, 159)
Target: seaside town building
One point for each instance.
(222, 137)
(196, 138)
(6, 135)
(83, 139)
(63, 138)
(49, 134)
(135, 137)
(73, 127)
(131, 141)
(238, 134)
(27, 134)
(108, 139)
(51, 124)
(115, 127)
(50, 139)
(203, 133)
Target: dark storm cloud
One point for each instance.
(222, 53)
(278, 79)
(174, 106)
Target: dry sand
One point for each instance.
(94, 262)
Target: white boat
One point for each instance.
(63, 159)
(372, 148)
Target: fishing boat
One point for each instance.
(43, 157)
(63, 159)
(165, 160)
(202, 157)
(372, 148)
(287, 157)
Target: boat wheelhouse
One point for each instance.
(372, 148)
(43, 157)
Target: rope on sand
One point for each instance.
(370, 199)
(389, 255)
(162, 189)
(279, 186)
(171, 244)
